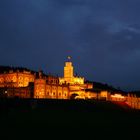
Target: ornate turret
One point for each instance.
(69, 77)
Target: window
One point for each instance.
(54, 93)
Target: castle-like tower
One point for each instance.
(69, 77)
(68, 71)
(76, 84)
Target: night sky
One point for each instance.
(101, 36)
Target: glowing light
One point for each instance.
(117, 96)
(69, 57)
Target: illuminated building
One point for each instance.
(61, 88)
(133, 100)
(20, 92)
(49, 87)
(69, 75)
(29, 84)
(17, 83)
(76, 84)
(16, 78)
(117, 97)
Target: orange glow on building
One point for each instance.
(118, 97)
(49, 87)
(27, 84)
(16, 79)
(76, 84)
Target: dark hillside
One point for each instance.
(65, 112)
(98, 86)
(71, 118)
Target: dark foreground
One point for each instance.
(104, 117)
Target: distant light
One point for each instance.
(117, 96)
(69, 57)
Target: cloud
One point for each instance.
(118, 26)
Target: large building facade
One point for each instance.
(16, 78)
(61, 87)
(48, 87)
(26, 84)
(17, 83)
(29, 84)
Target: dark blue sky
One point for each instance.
(102, 36)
